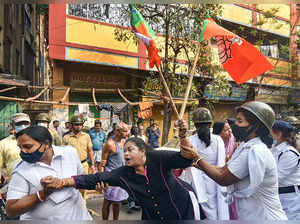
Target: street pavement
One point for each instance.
(94, 204)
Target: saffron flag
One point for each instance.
(239, 58)
(146, 35)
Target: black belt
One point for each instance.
(289, 189)
(83, 161)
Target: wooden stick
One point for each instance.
(7, 89)
(65, 96)
(94, 98)
(135, 103)
(189, 86)
(38, 95)
(126, 100)
(75, 89)
(36, 101)
(101, 90)
(155, 94)
(168, 92)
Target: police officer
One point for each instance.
(44, 119)
(9, 150)
(212, 148)
(251, 173)
(288, 159)
(83, 143)
(294, 121)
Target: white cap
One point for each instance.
(18, 117)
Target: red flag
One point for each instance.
(239, 58)
(145, 34)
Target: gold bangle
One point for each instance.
(39, 196)
(197, 161)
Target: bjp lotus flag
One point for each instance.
(239, 58)
(146, 35)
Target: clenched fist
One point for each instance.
(52, 183)
(183, 127)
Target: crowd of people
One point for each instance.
(242, 168)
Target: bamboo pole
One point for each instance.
(36, 101)
(7, 89)
(38, 95)
(126, 100)
(74, 89)
(168, 92)
(94, 98)
(155, 94)
(189, 86)
(135, 103)
(102, 90)
(65, 96)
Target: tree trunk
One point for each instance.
(167, 106)
(166, 122)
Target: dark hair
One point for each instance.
(140, 143)
(218, 127)
(134, 131)
(231, 121)
(261, 131)
(98, 122)
(55, 121)
(38, 133)
(286, 134)
(203, 132)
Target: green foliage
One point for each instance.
(181, 24)
(219, 86)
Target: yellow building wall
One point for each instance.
(99, 57)
(96, 35)
(241, 15)
(157, 116)
(280, 26)
(281, 68)
(283, 9)
(237, 13)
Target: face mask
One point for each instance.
(43, 124)
(32, 157)
(241, 133)
(204, 134)
(21, 127)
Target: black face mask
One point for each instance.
(241, 133)
(204, 134)
(235, 132)
(32, 157)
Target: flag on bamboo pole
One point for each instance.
(239, 58)
(145, 34)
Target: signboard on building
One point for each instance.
(95, 80)
(236, 94)
(272, 96)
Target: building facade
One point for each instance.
(270, 27)
(22, 54)
(86, 55)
